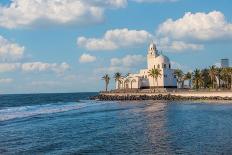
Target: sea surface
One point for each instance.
(73, 124)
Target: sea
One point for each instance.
(70, 123)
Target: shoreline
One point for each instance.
(168, 96)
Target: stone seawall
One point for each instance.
(165, 96)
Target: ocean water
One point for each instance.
(72, 124)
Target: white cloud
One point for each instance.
(124, 65)
(124, 38)
(25, 13)
(94, 44)
(128, 61)
(110, 70)
(107, 3)
(6, 80)
(199, 26)
(9, 67)
(177, 46)
(85, 58)
(154, 1)
(184, 68)
(10, 51)
(180, 46)
(41, 67)
(45, 83)
(115, 39)
(191, 31)
(34, 67)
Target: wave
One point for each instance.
(28, 111)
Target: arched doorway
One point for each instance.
(120, 84)
(127, 84)
(132, 81)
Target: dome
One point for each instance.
(162, 59)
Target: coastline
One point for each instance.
(167, 96)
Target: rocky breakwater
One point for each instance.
(167, 97)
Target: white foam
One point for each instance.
(28, 111)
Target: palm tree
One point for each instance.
(212, 74)
(128, 74)
(201, 81)
(117, 77)
(206, 78)
(225, 76)
(179, 74)
(219, 72)
(230, 73)
(155, 73)
(188, 76)
(197, 78)
(106, 78)
(151, 73)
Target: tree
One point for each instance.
(225, 76)
(155, 73)
(179, 74)
(151, 73)
(206, 78)
(188, 76)
(128, 74)
(106, 78)
(230, 73)
(197, 78)
(117, 77)
(213, 74)
(218, 75)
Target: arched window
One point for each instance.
(158, 66)
(164, 66)
(169, 65)
(154, 66)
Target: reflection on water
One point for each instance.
(154, 124)
(143, 127)
(200, 128)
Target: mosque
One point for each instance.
(142, 80)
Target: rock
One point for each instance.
(168, 97)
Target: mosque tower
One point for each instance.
(152, 54)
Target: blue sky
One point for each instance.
(67, 45)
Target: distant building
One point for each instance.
(142, 79)
(225, 63)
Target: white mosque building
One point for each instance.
(142, 80)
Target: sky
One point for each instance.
(49, 46)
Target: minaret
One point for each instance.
(152, 49)
(151, 55)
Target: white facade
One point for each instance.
(143, 80)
